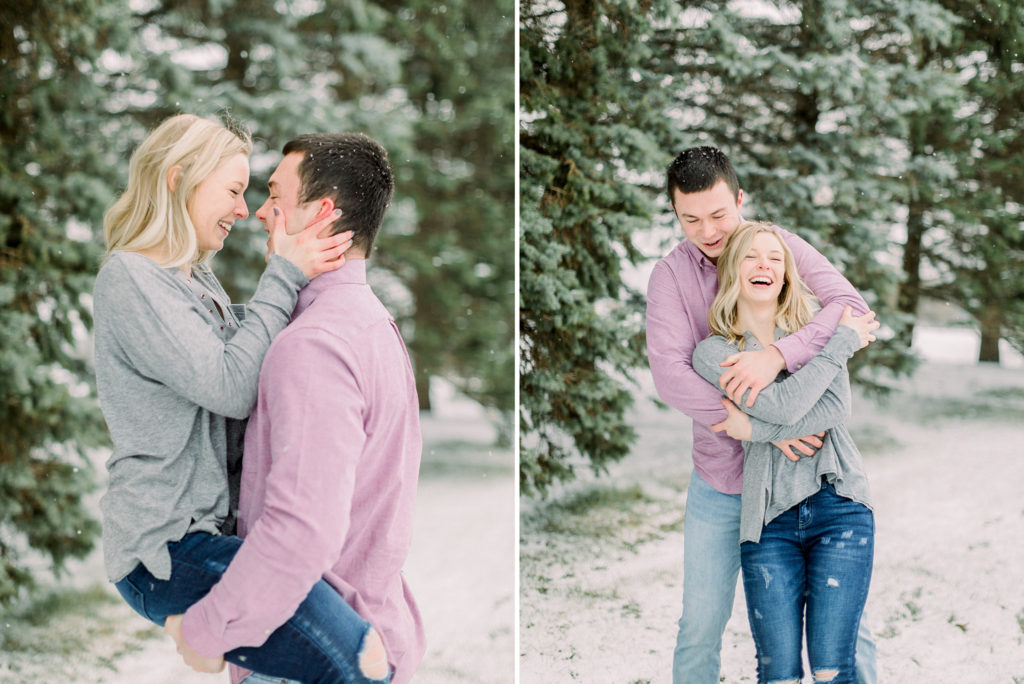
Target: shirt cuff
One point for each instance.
(200, 637)
(787, 346)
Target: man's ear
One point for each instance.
(173, 174)
(739, 198)
(326, 208)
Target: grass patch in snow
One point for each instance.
(67, 631)
(601, 512)
(981, 406)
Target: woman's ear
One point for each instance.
(173, 175)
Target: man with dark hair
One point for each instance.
(353, 172)
(706, 198)
(332, 448)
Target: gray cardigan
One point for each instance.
(177, 368)
(815, 398)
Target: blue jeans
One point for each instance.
(256, 678)
(815, 557)
(711, 564)
(320, 643)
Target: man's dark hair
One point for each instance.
(354, 171)
(698, 169)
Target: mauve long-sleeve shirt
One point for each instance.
(332, 455)
(679, 295)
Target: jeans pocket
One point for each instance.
(133, 596)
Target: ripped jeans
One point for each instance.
(813, 563)
(322, 643)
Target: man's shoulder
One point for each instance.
(336, 319)
(794, 241)
(677, 263)
(678, 255)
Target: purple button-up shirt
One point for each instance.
(332, 455)
(679, 295)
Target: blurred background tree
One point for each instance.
(83, 81)
(886, 134)
(592, 119)
(57, 176)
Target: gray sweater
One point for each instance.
(177, 368)
(815, 398)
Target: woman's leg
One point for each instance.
(838, 575)
(325, 641)
(317, 644)
(774, 583)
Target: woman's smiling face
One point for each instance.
(762, 270)
(218, 202)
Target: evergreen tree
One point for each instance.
(812, 123)
(459, 261)
(425, 80)
(982, 259)
(55, 182)
(71, 112)
(593, 121)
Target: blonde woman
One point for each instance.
(177, 366)
(806, 527)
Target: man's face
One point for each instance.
(284, 188)
(708, 217)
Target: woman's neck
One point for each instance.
(759, 319)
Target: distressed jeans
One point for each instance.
(321, 643)
(711, 565)
(812, 567)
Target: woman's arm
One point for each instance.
(785, 401)
(831, 409)
(167, 337)
(789, 399)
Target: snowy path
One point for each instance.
(460, 568)
(602, 586)
(461, 572)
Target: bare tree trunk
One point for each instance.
(910, 288)
(991, 320)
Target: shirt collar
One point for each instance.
(751, 340)
(700, 257)
(352, 273)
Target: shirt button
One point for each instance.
(799, 366)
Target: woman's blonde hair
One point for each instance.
(796, 303)
(149, 214)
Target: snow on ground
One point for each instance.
(460, 568)
(601, 559)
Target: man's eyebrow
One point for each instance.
(710, 213)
